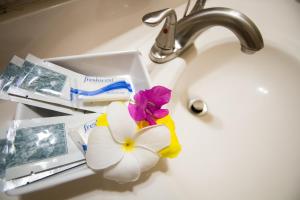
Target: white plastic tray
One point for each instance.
(102, 64)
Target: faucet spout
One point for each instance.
(190, 27)
(177, 36)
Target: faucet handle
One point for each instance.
(199, 5)
(156, 17)
(166, 38)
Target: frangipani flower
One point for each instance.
(174, 148)
(122, 152)
(148, 104)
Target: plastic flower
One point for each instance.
(122, 151)
(148, 104)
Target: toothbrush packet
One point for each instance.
(47, 82)
(37, 145)
(9, 75)
(8, 78)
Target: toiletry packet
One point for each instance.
(46, 105)
(47, 82)
(8, 76)
(97, 89)
(33, 146)
(32, 178)
(80, 134)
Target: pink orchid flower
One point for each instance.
(148, 104)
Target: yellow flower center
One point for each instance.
(128, 146)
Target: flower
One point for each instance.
(174, 148)
(122, 151)
(148, 104)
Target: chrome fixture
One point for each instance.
(176, 36)
(197, 106)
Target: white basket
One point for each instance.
(102, 64)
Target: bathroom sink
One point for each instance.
(248, 144)
(247, 147)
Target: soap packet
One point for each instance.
(47, 82)
(30, 147)
(8, 76)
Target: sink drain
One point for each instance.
(197, 106)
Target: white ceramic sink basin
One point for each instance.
(247, 146)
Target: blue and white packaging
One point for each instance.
(80, 134)
(44, 81)
(95, 89)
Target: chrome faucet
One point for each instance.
(176, 36)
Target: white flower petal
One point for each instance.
(120, 123)
(154, 138)
(102, 150)
(127, 170)
(146, 159)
